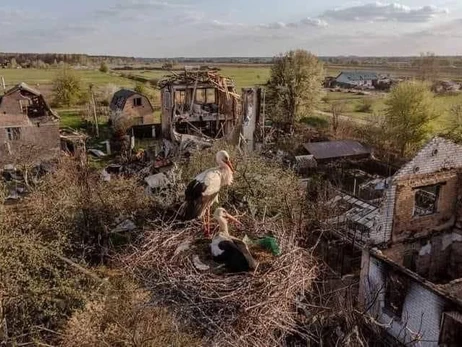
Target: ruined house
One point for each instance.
(198, 103)
(411, 271)
(29, 128)
(354, 79)
(132, 110)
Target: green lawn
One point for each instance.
(70, 119)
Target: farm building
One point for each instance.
(352, 79)
(29, 128)
(133, 110)
(198, 103)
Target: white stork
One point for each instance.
(230, 250)
(203, 191)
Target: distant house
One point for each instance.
(132, 105)
(29, 128)
(352, 79)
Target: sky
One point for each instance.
(215, 28)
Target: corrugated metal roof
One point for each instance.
(336, 149)
(23, 86)
(354, 76)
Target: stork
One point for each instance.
(228, 249)
(203, 191)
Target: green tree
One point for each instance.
(294, 87)
(453, 123)
(103, 67)
(67, 87)
(409, 110)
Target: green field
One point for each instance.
(46, 76)
(245, 76)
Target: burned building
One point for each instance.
(198, 103)
(411, 271)
(29, 128)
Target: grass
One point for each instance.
(70, 119)
(46, 76)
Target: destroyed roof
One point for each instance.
(336, 149)
(353, 76)
(439, 154)
(120, 97)
(190, 78)
(23, 86)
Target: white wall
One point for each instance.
(422, 309)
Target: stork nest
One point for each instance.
(247, 309)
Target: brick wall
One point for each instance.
(37, 143)
(145, 111)
(422, 309)
(405, 224)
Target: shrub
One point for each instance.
(67, 88)
(365, 106)
(103, 67)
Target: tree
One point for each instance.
(453, 123)
(103, 67)
(337, 108)
(13, 63)
(409, 110)
(294, 87)
(428, 66)
(67, 87)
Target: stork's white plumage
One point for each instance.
(203, 191)
(228, 249)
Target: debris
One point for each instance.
(200, 265)
(96, 152)
(157, 181)
(126, 225)
(105, 176)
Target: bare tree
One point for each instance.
(428, 66)
(337, 108)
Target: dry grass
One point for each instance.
(121, 315)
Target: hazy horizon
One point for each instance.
(202, 28)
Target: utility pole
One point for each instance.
(94, 110)
(3, 84)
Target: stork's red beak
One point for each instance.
(230, 165)
(233, 219)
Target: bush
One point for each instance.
(67, 88)
(315, 122)
(365, 106)
(103, 67)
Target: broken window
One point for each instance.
(200, 96)
(137, 102)
(210, 96)
(426, 199)
(180, 96)
(395, 293)
(451, 332)
(13, 134)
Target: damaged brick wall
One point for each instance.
(406, 224)
(437, 258)
(37, 142)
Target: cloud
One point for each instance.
(305, 22)
(385, 12)
(138, 5)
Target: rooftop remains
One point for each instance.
(337, 149)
